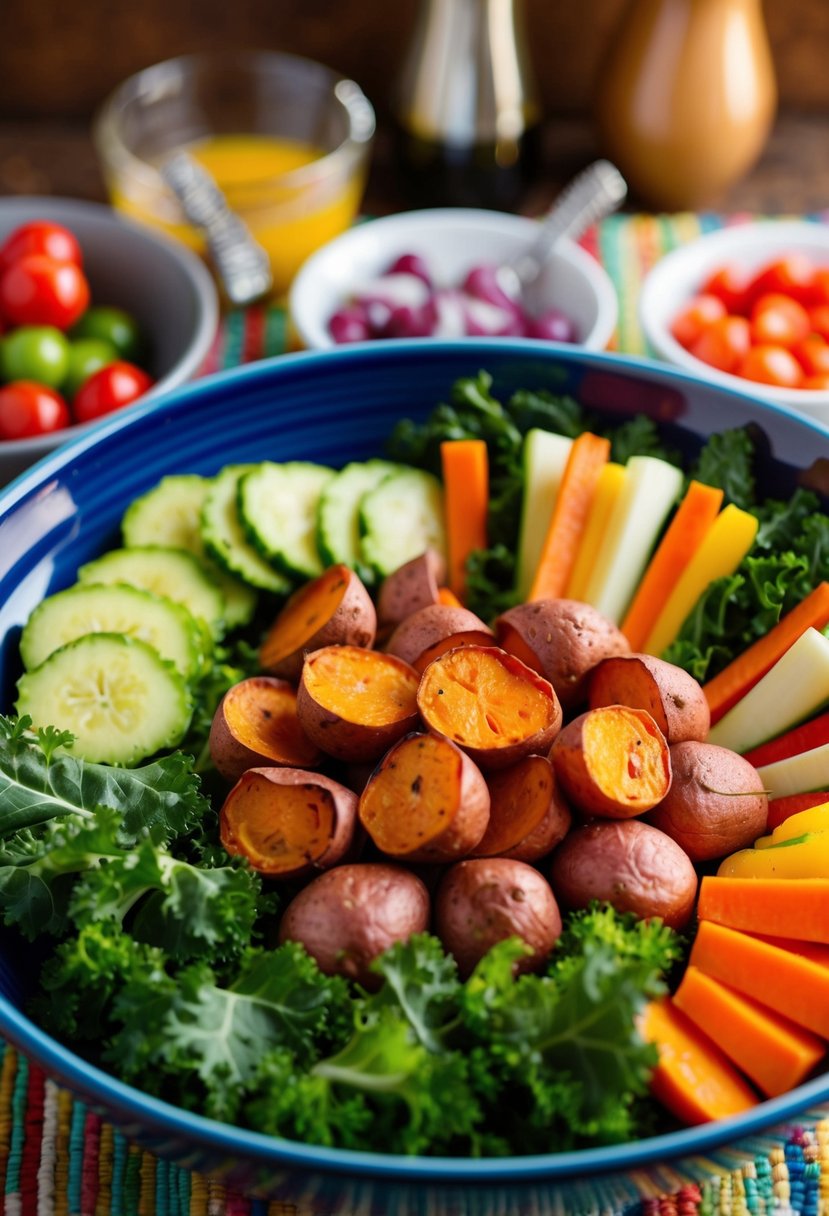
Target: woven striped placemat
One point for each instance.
(58, 1158)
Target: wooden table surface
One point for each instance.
(45, 157)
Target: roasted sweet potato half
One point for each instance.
(255, 725)
(628, 864)
(355, 703)
(428, 632)
(348, 916)
(528, 815)
(488, 899)
(288, 822)
(426, 801)
(490, 703)
(562, 639)
(333, 609)
(672, 697)
(414, 585)
(613, 761)
(716, 803)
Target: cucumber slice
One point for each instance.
(167, 572)
(225, 539)
(338, 517)
(117, 696)
(545, 457)
(170, 515)
(401, 518)
(167, 627)
(278, 504)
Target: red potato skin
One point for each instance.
(628, 864)
(485, 900)
(716, 803)
(672, 697)
(544, 837)
(429, 626)
(413, 586)
(345, 836)
(354, 623)
(348, 916)
(567, 638)
(465, 828)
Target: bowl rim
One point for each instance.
(304, 297)
(200, 282)
(131, 1103)
(116, 156)
(740, 237)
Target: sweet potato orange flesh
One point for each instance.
(413, 798)
(613, 761)
(360, 685)
(304, 615)
(280, 829)
(519, 799)
(261, 714)
(481, 697)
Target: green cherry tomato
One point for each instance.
(112, 325)
(86, 356)
(35, 352)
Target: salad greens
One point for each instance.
(789, 558)
(160, 967)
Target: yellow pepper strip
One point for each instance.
(815, 819)
(802, 857)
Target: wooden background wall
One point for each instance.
(61, 59)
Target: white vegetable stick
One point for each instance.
(545, 458)
(797, 774)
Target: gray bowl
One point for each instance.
(167, 289)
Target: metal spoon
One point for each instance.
(592, 194)
(240, 261)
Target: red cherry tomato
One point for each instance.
(28, 409)
(819, 320)
(793, 275)
(771, 365)
(696, 316)
(723, 344)
(778, 320)
(816, 383)
(109, 389)
(39, 291)
(42, 237)
(729, 284)
(820, 286)
(813, 355)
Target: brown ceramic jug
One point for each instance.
(685, 98)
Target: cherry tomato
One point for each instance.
(112, 325)
(778, 320)
(109, 389)
(819, 320)
(820, 286)
(793, 275)
(724, 343)
(768, 364)
(695, 317)
(86, 356)
(729, 284)
(813, 355)
(41, 237)
(39, 291)
(28, 409)
(35, 352)
(816, 383)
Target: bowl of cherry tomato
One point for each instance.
(95, 314)
(747, 307)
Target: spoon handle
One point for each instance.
(592, 194)
(240, 261)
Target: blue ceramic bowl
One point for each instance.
(334, 407)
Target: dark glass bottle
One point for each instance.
(466, 111)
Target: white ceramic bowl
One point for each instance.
(162, 284)
(452, 241)
(679, 275)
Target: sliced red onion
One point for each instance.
(482, 283)
(407, 322)
(484, 319)
(349, 324)
(553, 326)
(412, 263)
(450, 314)
(395, 290)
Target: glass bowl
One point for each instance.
(287, 139)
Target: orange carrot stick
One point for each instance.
(448, 598)
(588, 456)
(735, 680)
(774, 1052)
(780, 907)
(466, 488)
(694, 516)
(693, 1079)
